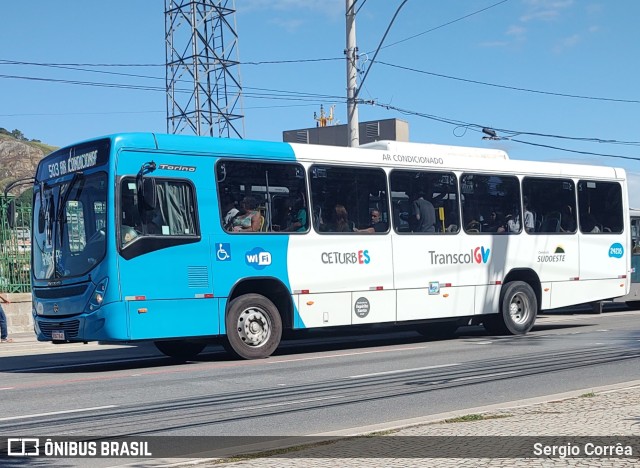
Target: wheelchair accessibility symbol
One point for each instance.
(223, 252)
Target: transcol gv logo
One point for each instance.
(477, 255)
(258, 258)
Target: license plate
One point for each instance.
(57, 335)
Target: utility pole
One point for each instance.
(352, 59)
(352, 74)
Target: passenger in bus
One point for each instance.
(249, 218)
(512, 223)
(588, 223)
(229, 209)
(127, 234)
(425, 214)
(341, 220)
(297, 215)
(377, 225)
(494, 223)
(529, 218)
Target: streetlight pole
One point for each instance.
(351, 53)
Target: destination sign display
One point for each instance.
(74, 159)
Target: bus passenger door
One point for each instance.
(163, 254)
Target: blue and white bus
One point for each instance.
(184, 240)
(632, 299)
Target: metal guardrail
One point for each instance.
(15, 249)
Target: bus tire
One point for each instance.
(180, 349)
(518, 310)
(254, 327)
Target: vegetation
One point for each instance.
(476, 417)
(18, 135)
(21, 156)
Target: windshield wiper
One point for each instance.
(62, 203)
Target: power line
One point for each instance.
(86, 83)
(47, 64)
(288, 95)
(445, 24)
(478, 128)
(511, 133)
(514, 88)
(588, 153)
(401, 67)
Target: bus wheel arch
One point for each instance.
(519, 304)
(257, 311)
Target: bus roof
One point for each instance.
(381, 153)
(443, 157)
(445, 150)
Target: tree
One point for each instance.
(18, 135)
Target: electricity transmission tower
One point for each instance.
(204, 95)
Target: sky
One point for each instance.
(557, 79)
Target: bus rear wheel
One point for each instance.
(254, 327)
(518, 310)
(180, 349)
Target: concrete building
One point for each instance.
(336, 135)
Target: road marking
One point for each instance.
(7, 388)
(401, 371)
(79, 410)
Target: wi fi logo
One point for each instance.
(258, 258)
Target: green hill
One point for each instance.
(19, 157)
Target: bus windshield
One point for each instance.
(69, 226)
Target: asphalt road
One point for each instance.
(317, 383)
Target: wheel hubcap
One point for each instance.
(254, 327)
(519, 308)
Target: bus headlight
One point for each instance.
(98, 295)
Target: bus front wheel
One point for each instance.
(518, 310)
(180, 349)
(254, 327)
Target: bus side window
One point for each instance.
(344, 197)
(600, 207)
(491, 203)
(551, 203)
(424, 202)
(271, 185)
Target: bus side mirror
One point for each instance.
(149, 194)
(146, 187)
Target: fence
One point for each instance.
(15, 248)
